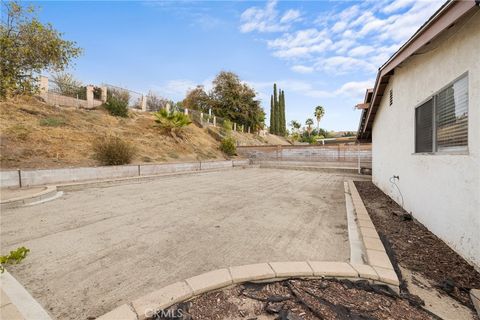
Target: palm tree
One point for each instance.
(309, 123)
(295, 125)
(319, 113)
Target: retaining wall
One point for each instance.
(9, 179)
(26, 178)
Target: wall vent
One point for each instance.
(391, 96)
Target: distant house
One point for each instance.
(423, 118)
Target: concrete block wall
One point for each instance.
(153, 169)
(208, 165)
(26, 178)
(49, 176)
(9, 179)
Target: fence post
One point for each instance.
(201, 117)
(89, 96)
(186, 111)
(43, 85)
(167, 107)
(104, 94)
(234, 126)
(144, 103)
(214, 121)
(248, 129)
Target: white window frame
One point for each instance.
(458, 150)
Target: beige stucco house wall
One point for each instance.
(442, 191)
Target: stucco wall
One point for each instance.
(441, 190)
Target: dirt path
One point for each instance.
(94, 249)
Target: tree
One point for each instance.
(156, 102)
(234, 100)
(197, 99)
(283, 127)
(28, 47)
(69, 86)
(319, 113)
(309, 123)
(295, 125)
(272, 116)
(275, 110)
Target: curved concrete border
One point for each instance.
(146, 306)
(48, 192)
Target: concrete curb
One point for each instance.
(48, 192)
(20, 304)
(145, 307)
(375, 254)
(475, 296)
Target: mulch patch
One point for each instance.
(416, 248)
(300, 299)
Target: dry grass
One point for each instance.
(26, 143)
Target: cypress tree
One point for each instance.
(275, 110)
(284, 124)
(271, 114)
(281, 115)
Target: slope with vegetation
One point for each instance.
(37, 135)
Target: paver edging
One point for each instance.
(375, 252)
(147, 306)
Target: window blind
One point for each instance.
(451, 116)
(424, 127)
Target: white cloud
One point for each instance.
(290, 15)
(359, 38)
(302, 69)
(267, 19)
(177, 89)
(355, 89)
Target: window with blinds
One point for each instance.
(424, 127)
(441, 123)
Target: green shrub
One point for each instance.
(13, 257)
(112, 151)
(117, 106)
(228, 146)
(171, 122)
(51, 122)
(227, 126)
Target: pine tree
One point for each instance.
(272, 122)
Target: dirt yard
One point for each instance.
(95, 249)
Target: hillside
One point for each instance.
(37, 135)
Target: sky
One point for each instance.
(319, 52)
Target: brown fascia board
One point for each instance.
(448, 14)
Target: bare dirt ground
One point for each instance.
(298, 300)
(36, 135)
(94, 249)
(428, 266)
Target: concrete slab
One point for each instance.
(210, 281)
(124, 312)
(132, 239)
(291, 269)
(258, 271)
(379, 259)
(330, 268)
(365, 271)
(161, 299)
